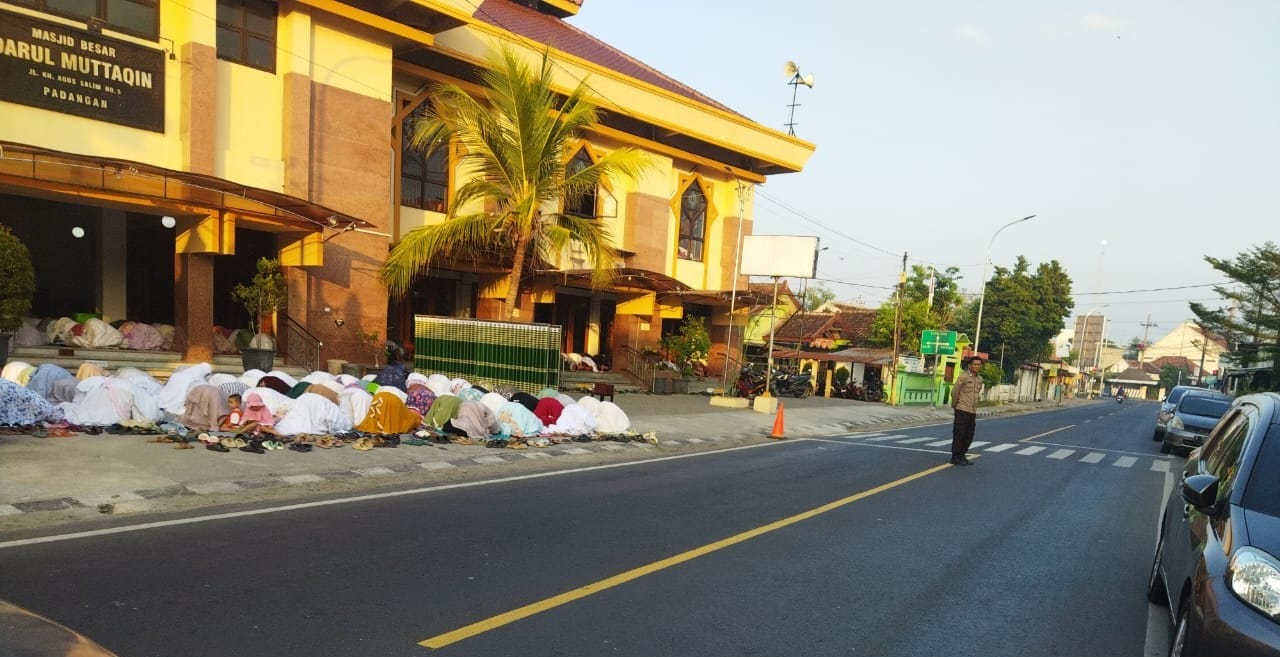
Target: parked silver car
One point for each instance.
(1166, 408)
(1194, 416)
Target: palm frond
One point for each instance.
(459, 237)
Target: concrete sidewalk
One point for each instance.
(51, 481)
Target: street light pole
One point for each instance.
(982, 298)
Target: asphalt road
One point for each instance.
(854, 545)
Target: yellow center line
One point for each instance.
(494, 622)
(1042, 435)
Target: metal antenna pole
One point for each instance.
(791, 118)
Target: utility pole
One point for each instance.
(1146, 330)
(897, 330)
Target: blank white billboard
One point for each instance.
(780, 255)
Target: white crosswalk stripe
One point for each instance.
(1062, 454)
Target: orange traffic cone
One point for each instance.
(777, 423)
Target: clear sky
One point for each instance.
(1144, 134)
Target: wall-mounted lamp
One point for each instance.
(77, 232)
(95, 24)
(337, 321)
(168, 221)
(170, 49)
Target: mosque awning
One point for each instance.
(115, 181)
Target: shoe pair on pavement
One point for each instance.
(960, 461)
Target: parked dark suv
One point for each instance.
(1216, 559)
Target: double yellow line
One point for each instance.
(494, 622)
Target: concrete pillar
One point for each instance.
(112, 254)
(193, 306)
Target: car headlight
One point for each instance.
(1255, 577)
(1175, 422)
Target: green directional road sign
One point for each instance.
(938, 342)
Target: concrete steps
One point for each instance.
(583, 380)
(159, 364)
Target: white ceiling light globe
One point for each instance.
(168, 221)
(77, 232)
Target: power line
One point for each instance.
(1152, 289)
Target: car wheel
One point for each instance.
(1166, 447)
(1155, 582)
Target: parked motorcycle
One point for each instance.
(750, 383)
(791, 385)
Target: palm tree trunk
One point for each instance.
(517, 268)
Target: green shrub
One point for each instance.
(265, 293)
(17, 280)
(690, 345)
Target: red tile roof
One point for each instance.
(554, 32)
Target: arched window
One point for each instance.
(693, 222)
(424, 179)
(582, 204)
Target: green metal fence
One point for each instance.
(489, 353)
(916, 389)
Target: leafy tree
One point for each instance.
(814, 296)
(917, 314)
(515, 142)
(1252, 319)
(1134, 348)
(1024, 311)
(1172, 375)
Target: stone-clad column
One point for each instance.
(193, 306)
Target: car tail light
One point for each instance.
(1255, 577)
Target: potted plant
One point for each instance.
(261, 297)
(17, 287)
(687, 348)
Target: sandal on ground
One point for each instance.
(216, 447)
(300, 447)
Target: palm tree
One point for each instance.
(515, 144)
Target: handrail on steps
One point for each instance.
(302, 347)
(640, 367)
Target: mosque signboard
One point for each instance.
(71, 70)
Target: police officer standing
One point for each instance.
(964, 399)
